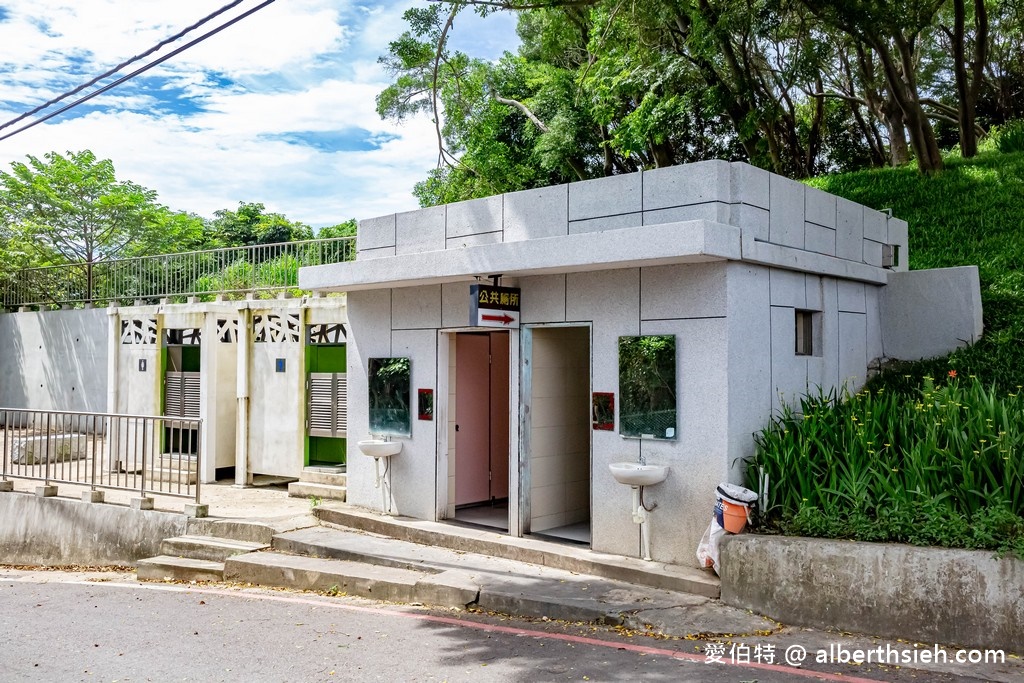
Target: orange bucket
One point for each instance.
(734, 516)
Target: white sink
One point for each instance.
(635, 474)
(378, 448)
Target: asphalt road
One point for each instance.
(108, 628)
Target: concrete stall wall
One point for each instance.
(970, 598)
(277, 395)
(136, 381)
(54, 360)
(395, 324)
(219, 404)
(560, 427)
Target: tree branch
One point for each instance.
(523, 108)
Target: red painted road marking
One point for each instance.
(494, 628)
(503, 319)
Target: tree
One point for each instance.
(251, 225)
(345, 229)
(72, 209)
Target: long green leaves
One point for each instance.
(884, 466)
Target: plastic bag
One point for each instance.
(707, 549)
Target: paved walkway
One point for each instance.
(267, 499)
(508, 585)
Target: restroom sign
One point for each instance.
(491, 306)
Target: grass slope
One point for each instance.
(970, 214)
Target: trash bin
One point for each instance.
(732, 506)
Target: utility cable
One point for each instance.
(133, 74)
(123, 64)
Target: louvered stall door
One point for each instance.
(181, 394)
(328, 404)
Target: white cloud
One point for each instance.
(296, 67)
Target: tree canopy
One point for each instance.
(800, 87)
(71, 208)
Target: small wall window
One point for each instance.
(808, 333)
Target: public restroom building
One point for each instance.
(518, 345)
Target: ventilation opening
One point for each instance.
(808, 333)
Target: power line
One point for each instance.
(123, 64)
(133, 74)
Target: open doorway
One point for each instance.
(559, 425)
(480, 460)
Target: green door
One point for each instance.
(321, 360)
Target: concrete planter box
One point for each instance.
(969, 598)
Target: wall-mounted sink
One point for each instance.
(636, 474)
(378, 448)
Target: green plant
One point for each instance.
(1010, 137)
(314, 502)
(970, 214)
(928, 468)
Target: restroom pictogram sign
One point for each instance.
(491, 306)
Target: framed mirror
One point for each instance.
(647, 387)
(389, 380)
(603, 411)
(425, 404)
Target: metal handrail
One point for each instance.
(145, 453)
(227, 270)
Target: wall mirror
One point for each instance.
(603, 411)
(647, 386)
(389, 380)
(425, 406)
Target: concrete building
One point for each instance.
(749, 290)
(263, 375)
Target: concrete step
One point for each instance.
(630, 570)
(207, 547)
(253, 531)
(444, 589)
(175, 462)
(166, 568)
(173, 476)
(305, 489)
(333, 476)
(515, 587)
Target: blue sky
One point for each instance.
(278, 108)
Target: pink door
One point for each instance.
(472, 418)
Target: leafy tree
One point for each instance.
(800, 87)
(72, 209)
(344, 229)
(251, 225)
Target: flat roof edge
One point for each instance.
(647, 245)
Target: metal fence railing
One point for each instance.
(264, 267)
(151, 455)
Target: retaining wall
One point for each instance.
(969, 598)
(59, 531)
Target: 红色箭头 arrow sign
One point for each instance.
(491, 306)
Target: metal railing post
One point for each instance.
(199, 457)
